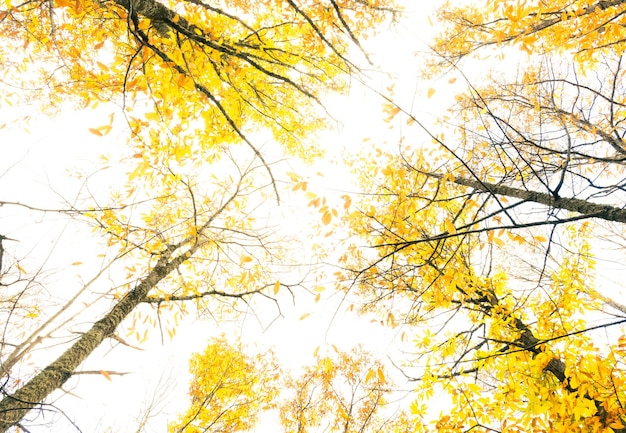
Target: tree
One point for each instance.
(230, 389)
(485, 241)
(191, 80)
(346, 392)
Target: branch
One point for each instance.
(583, 207)
(15, 406)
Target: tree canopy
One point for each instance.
(491, 240)
(487, 239)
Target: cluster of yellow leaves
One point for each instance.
(199, 81)
(506, 307)
(344, 392)
(587, 28)
(339, 393)
(229, 389)
(193, 79)
(429, 247)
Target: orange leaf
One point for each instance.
(326, 218)
(106, 375)
(381, 375)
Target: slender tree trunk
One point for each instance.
(583, 207)
(13, 408)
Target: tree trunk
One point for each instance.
(583, 207)
(13, 408)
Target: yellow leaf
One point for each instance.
(380, 374)
(451, 81)
(19, 268)
(293, 176)
(326, 218)
(449, 226)
(416, 408)
(304, 316)
(94, 131)
(245, 259)
(77, 263)
(431, 92)
(276, 287)
(540, 238)
(106, 375)
(79, 6)
(105, 129)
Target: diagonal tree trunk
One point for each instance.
(14, 407)
(583, 207)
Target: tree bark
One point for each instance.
(14, 407)
(583, 207)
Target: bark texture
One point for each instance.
(14, 407)
(583, 207)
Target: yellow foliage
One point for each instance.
(510, 347)
(346, 393)
(229, 389)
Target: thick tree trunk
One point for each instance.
(14, 407)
